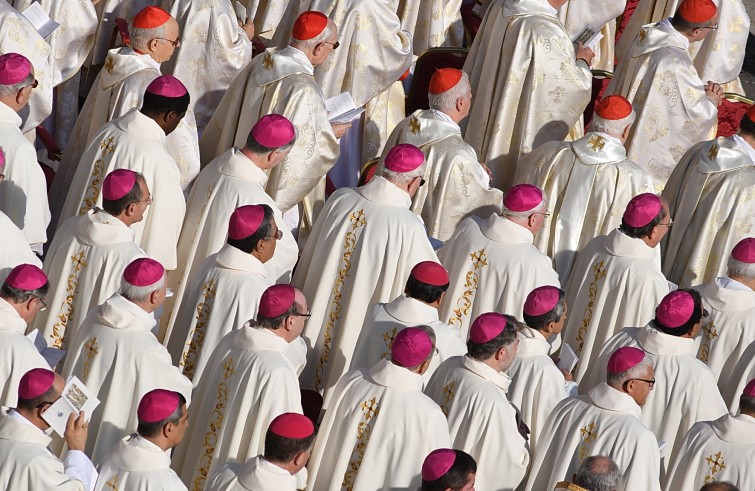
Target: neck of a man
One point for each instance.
(522, 222)
(145, 305)
(32, 418)
(288, 466)
(10, 101)
(256, 160)
(748, 283)
(160, 441)
(123, 218)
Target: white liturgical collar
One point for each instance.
(381, 190)
(532, 343)
(659, 343)
(610, 399)
(127, 50)
(239, 165)
(499, 379)
(666, 23)
(299, 55)
(410, 310)
(387, 374)
(501, 229)
(730, 284)
(741, 143)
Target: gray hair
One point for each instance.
(139, 293)
(616, 380)
(309, 44)
(541, 208)
(598, 473)
(13, 89)
(404, 177)
(140, 37)
(429, 331)
(446, 101)
(611, 127)
(740, 269)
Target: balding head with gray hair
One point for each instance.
(446, 101)
(612, 127)
(598, 473)
(308, 45)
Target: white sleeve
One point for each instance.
(77, 466)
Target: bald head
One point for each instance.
(719, 486)
(598, 473)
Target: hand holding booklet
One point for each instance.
(589, 37)
(568, 358)
(341, 109)
(42, 22)
(75, 397)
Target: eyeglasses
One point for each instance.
(712, 28)
(44, 305)
(545, 215)
(422, 182)
(175, 43)
(278, 235)
(335, 45)
(650, 383)
(669, 224)
(34, 84)
(705, 313)
(148, 200)
(306, 316)
(436, 351)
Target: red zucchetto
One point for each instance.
(309, 25)
(292, 425)
(411, 347)
(444, 79)
(486, 326)
(431, 273)
(613, 107)
(697, 11)
(675, 309)
(150, 18)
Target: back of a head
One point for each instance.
(741, 262)
(612, 115)
(16, 72)
(278, 302)
(679, 312)
(158, 408)
(427, 282)
(747, 123)
(747, 399)
(141, 278)
(310, 29)
(412, 347)
(403, 163)
(489, 333)
(288, 435)
(522, 201)
(120, 189)
(719, 486)
(248, 225)
(598, 473)
(447, 468)
(24, 282)
(272, 132)
(642, 214)
(165, 94)
(693, 14)
(447, 85)
(148, 24)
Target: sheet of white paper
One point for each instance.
(568, 358)
(347, 117)
(340, 104)
(76, 397)
(240, 11)
(477, 10)
(595, 41)
(40, 20)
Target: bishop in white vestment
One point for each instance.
(471, 391)
(15, 248)
(360, 252)
(710, 196)
(493, 264)
(380, 426)
(615, 282)
(588, 183)
(456, 184)
(605, 422)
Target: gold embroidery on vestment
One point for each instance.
(599, 273)
(92, 350)
(414, 125)
(464, 302)
(596, 143)
(716, 463)
(67, 309)
(190, 356)
(370, 409)
(709, 333)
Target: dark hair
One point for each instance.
(697, 314)
(153, 429)
(280, 449)
(274, 323)
(485, 350)
(719, 486)
(747, 126)
(640, 232)
(539, 322)
(456, 477)
(249, 243)
(159, 104)
(117, 206)
(257, 148)
(747, 404)
(31, 404)
(16, 295)
(423, 291)
(683, 25)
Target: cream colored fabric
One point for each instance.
(268, 16)
(540, 95)
(588, 183)
(15, 248)
(456, 184)
(247, 382)
(253, 475)
(605, 422)
(743, 373)
(137, 464)
(482, 420)
(685, 391)
(673, 112)
(492, 266)
(711, 201)
(720, 450)
(432, 24)
(614, 284)
(134, 141)
(222, 295)
(575, 15)
(282, 35)
(119, 360)
(377, 432)
(107, 12)
(213, 50)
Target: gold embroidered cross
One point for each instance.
(388, 337)
(715, 462)
(643, 35)
(78, 261)
(370, 408)
(713, 151)
(600, 270)
(228, 369)
(589, 433)
(209, 289)
(596, 143)
(449, 391)
(114, 481)
(109, 64)
(478, 259)
(414, 125)
(92, 348)
(107, 146)
(357, 218)
(267, 62)
(710, 331)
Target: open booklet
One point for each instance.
(589, 37)
(341, 108)
(40, 20)
(567, 358)
(75, 397)
(240, 11)
(51, 355)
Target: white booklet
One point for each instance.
(567, 358)
(589, 37)
(240, 12)
(341, 108)
(51, 355)
(75, 397)
(40, 20)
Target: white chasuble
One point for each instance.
(247, 382)
(742, 374)
(15, 248)
(720, 450)
(18, 355)
(614, 284)
(711, 200)
(673, 111)
(685, 391)
(575, 15)
(457, 185)
(492, 266)
(377, 432)
(114, 350)
(269, 16)
(538, 98)
(222, 295)
(360, 252)
(134, 141)
(432, 24)
(385, 320)
(729, 328)
(256, 474)
(85, 264)
(137, 464)
(537, 385)
(23, 192)
(482, 420)
(605, 422)
(279, 82)
(588, 183)
(213, 50)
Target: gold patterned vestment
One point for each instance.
(268, 16)
(432, 24)
(601, 15)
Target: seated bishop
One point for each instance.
(686, 390)
(226, 289)
(249, 379)
(471, 391)
(418, 305)
(607, 421)
(88, 255)
(588, 183)
(141, 460)
(456, 184)
(288, 444)
(115, 348)
(21, 298)
(380, 426)
(615, 282)
(537, 384)
(719, 450)
(360, 253)
(447, 469)
(492, 263)
(675, 108)
(710, 195)
(137, 141)
(281, 81)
